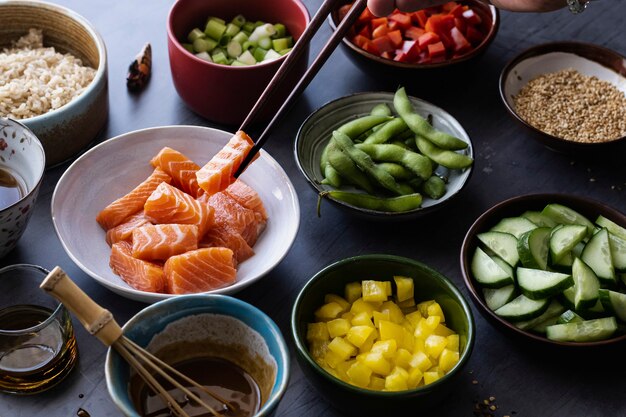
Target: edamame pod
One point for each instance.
(446, 158)
(420, 126)
(363, 161)
(370, 202)
(331, 176)
(434, 187)
(347, 169)
(397, 171)
(387, 131)
(381, 110)
(416, 163)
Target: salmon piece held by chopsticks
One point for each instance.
(141, 275)
(219, 172)
(180, 168)
(117, 212)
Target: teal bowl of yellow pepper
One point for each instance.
(384, 155)
(384, 391)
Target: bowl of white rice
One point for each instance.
(53, 76)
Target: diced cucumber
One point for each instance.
(597, 254)
(584, 331)
(502, 244)
(552, 312)
(618, 251)
(522, 308)
(537, 284)
(565, 215)
(539, 219)
(615, 302)
(611, 226)
(487, 272)
(532, 248)
(496, 298)
(564, 238)
(569, 317)
(516, 226)
(586, 285)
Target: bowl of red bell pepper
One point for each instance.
(434, 37)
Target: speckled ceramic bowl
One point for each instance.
(22, 155)
(67, 130)
(249, 331)
(316, 131)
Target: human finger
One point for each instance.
(413, 5)
(381, 7)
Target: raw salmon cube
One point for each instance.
(141, 275)
(124, 231)
(152, 242)
(180, 168)
(200, 270)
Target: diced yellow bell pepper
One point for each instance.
(418, 345)
(453, 342)
(362, 319)
(318, 348)
(408, 340)
(407, 305)
(348, 316)
(448, 359)
(423, 307)
(389, 330)
(430, 377)
(376, 383)
(442, 330)
(414, 318)
(332, 359)
(388, 288)
(421, 361)
(426, 326)
(402, 358)
(328, 311)
(404, 288)
(377, 363)
(359, 374)
(357, 335)
(342, 348)
(374, 291)
(387, 347)
(434, 345)
(397, 380)
(352, 291)
(369, 342)
(330, 298)
(362, 306)
(317, 331)
(380, 315)
(435, 310)
(415, 377)
(342, 368)
(395, 314)
(338, 327)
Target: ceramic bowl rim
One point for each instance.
(547, 48)
(37, 142)
(484, 44)
(473, 289)
(174, 41)
(220, 300)
(374, 213)
(76, 102)
(454, 292)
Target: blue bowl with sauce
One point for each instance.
(207, 334)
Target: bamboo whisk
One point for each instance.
(100, 323)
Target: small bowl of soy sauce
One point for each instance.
(227, 345)
(22, 163)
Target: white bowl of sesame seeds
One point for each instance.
(572, 95)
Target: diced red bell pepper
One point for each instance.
(383, 44)
(460, 24)
(438, 58)
(427, 39)
(379, 21)
(439, 23)
(446, 39)
(411, 50)
(436, 49)
(472, 17)
(386, 55)
(360, 41)
(414, 32)
(432, 10)
(449, 6)
(365, 16)
(457, 11)
(403, 20)
(393, 25)
(380, 31)
(395, 37)
(461, 45)
(365, 31)
(473, 35)
(400, 56)
(420, 18)
(424, 58)
(371, 48)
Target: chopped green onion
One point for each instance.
(265, 43)
(247, 58)
(284, 51)
(231, 30)
(204, 45)
(248, 45)
(188, 47)
(219, 58)
(259, 23)
(214, 29)
(233, 49)
(282, 43)
(195, 34)
(241, 37)
(237, 63)
(217, 19)
(263, 31)
(205, 56)
(280, 29)
(271, 55)
(238, 20)
(248, 27)
(224, 40)
(259, 53)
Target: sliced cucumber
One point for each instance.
(552, 312)
(615, 302)
(563, 264)
(565, 215)
(522, 308)
(541, 327)
(568, 297)
(611, 226)
(502, 244)
(586, 285)
(618, 251)
(578, 250)
(595, 312)
(584, 331)
(502, 264)
(487, 272)
(516, 226)
(539, 219)
(569, 317)
(564, 238)
(496, 298)
(597, 254)
(537, 284)
(532, 248)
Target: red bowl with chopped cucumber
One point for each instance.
(547, 294)
(435, 37)
(223, 93)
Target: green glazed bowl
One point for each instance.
(429, 284)
(316, 131)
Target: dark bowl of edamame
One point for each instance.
(427, 285)
(384, 156)
(550, 269)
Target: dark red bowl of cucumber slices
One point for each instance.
(550, 268)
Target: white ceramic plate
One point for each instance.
(117, 165)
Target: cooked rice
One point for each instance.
(35, 80)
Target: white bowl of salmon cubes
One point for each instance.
(551, 268)
(133, 214)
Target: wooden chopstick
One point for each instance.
(345, 25)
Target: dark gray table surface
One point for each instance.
(524, 381)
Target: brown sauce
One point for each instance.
(11, 189)
(220, 376)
